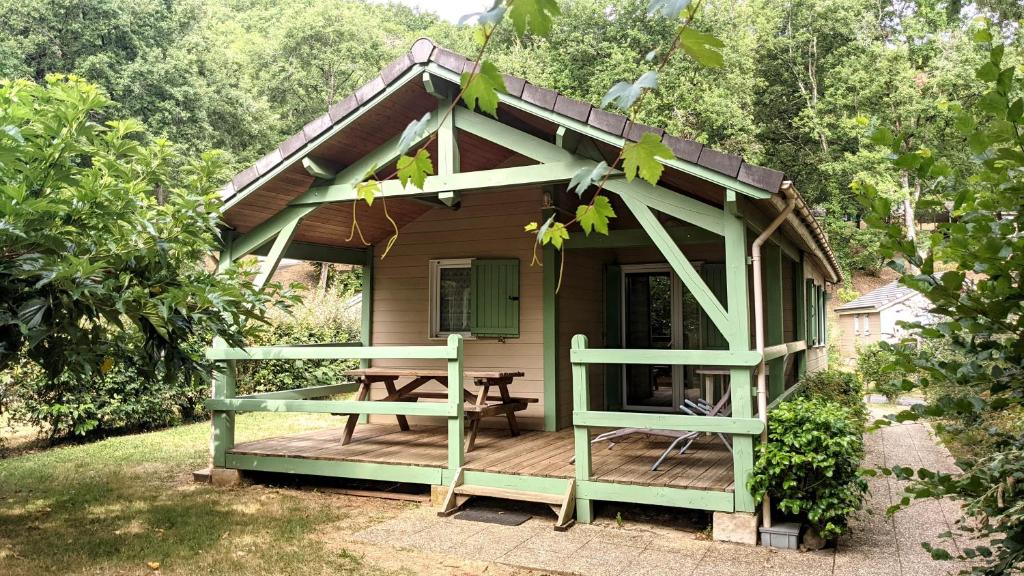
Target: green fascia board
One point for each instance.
(336, 469)
(511, 138)
(332, 353)
(672, 203)
(665, 421)
(655, 495)
(305, 393)
(617, 141)
(442, 409)
(737, 358)
(311, 252)
(410, 75)
(538, 174)
(635, 237)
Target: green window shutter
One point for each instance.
(811, 306)
(713, 275)
(495, 297)
(823, 321)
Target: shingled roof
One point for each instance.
(878, 299)
(424, 51)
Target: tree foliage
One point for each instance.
(104, 231)
(970, 270)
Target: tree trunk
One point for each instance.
(324, 268)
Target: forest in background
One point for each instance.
(805, 83)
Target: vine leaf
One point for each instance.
(491, 17)
(368, 190)
(595, 216)
(625, 94)
(531, 227)
(642, 158)
(534, 15)
(413, 132)
(552, 232)
(586, 176)
(702, 47)
(415, 168)
(667, 8)
(482, 88)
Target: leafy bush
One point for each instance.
(837, 386)
(879, 366)
(125, 397)
(810, 466)
(323, 318)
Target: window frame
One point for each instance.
(434, 294)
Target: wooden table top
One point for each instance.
(416, 373)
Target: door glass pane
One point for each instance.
(648, 324)
(454, 296)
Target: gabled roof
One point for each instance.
(878, 299)
(691, 157)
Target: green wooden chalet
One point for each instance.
(719, 267)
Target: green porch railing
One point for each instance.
(583, 418)
(224, 402)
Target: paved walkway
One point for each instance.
(876, 546)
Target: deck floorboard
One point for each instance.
(707, 465)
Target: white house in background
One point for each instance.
(875, 316)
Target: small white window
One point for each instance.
(865, 325)
(450, 299)
(856, 323)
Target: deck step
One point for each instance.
(508, 494)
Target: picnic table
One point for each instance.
(479, 404)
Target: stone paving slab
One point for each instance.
(877, 545)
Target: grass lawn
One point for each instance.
(114, 506)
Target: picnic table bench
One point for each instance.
(479, 404)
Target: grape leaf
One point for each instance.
(491, 17)
(413, 132)
(534, 15)
(667, 8)
(482, 88)
(556, 235)
(368, 190)
(702, 47)
(532, 226)
(642, 158)
(625, 94)
(584, 177)
(595, 216)
(415, 168)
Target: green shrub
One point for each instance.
(125, 398)
(321, 319)
(838, 386)
(880, 368)
(810, 466)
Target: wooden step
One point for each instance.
(508, 494)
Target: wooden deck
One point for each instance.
(706, 466)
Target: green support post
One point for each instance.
(456, 424)
(737, 294)
(223, 436)
(581, 434)
(366, 315)
(550, 285)
(773, 317)
(799, 318)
